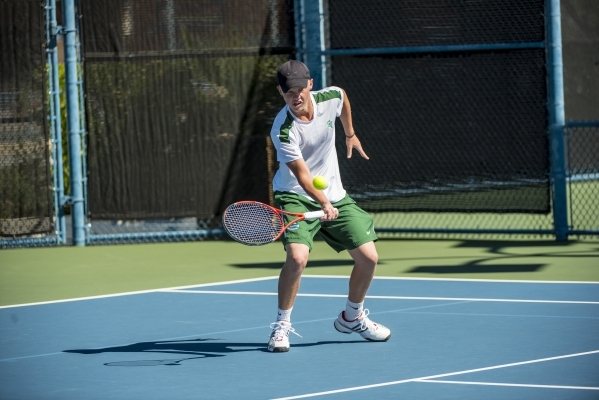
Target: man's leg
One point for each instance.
(291, 274)
(365, 258)
(289, 283)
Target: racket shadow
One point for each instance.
(151, 363)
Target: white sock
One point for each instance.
(284, 315)
(353, 310)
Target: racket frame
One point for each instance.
(279, 213)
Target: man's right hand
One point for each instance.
(330, 212)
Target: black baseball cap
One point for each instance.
(293, 73)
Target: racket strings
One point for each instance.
(252, 224)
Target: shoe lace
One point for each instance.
(365, 322)
(283, 328)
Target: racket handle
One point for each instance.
(314, 214)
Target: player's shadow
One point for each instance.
(311, 264)
(187, 350)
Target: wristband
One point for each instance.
(349, 137)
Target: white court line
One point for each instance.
(405, 278)
(104, 296)
(426, 378)
(509, 384)
(276, 277)
(384, 297)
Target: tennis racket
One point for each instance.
(254, 224)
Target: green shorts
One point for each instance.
(350, 230)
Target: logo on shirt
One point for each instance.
(330, 123)
(294, 227)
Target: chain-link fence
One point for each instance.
(581, 86)
(26, 189)
(583, 176)
(449, 98)
(178, 111)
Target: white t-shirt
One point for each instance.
(314, 141)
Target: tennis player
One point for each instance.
(303, 134)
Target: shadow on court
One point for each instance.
(315, 263)
(188, 350)
(501, 256)
(476, 268)
(498, 256)
(500, 245)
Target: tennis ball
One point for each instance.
(320, 182)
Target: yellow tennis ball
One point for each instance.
(320, 182)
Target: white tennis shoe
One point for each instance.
(364, 326)
(279, 337)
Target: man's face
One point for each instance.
(298, 98)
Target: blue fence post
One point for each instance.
(556, 119)
(82, 122)
(75, 153)
(298, 19)
(313, 44)
(55, 117)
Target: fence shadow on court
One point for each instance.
(496, 257)
(475, 267)
(499, 254)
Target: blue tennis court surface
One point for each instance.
(452, 339)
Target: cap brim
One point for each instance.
(301, 82)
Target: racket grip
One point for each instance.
(314, 214)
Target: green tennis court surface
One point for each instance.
(45, 274)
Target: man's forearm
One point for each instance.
(346, 117)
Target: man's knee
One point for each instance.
(369, 262)
(374, 256)
(297, 258)
(365, 255)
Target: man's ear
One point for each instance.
(280, 90)
(310, 84)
